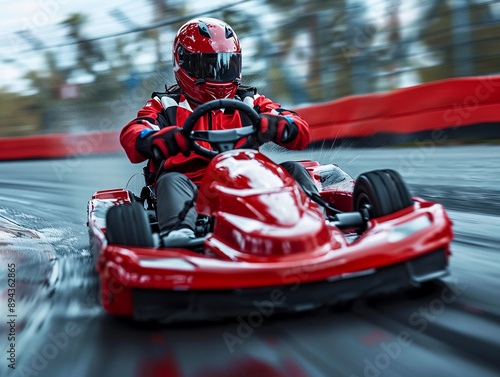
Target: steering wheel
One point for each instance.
(220, 140)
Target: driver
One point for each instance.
(207, 66)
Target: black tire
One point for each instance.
(128, 224)
(382, 192)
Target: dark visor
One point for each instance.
(218, 67)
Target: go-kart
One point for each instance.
(261, 242)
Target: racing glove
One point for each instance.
(162, 144)
(275, 128)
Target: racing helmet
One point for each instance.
(207, 59)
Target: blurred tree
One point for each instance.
(163, 10)
(107, 72)
(486, 40)
(484, 49)
(88, 52)
(391, 52)
(20, 114)
(248, 27)
(90, 58)
(339, 36)
(47, 84)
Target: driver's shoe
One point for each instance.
(178, 237)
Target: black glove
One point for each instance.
(275, 128)
(167, 142)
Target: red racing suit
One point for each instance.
(171, 110)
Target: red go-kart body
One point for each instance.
(270, 245)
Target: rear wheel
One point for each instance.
(128, 224)
(381, 192)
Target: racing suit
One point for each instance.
(177, 177)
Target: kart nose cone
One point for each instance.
(254, 237)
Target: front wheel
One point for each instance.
(381, 192)
(128, 224)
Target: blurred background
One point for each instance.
(67, 65)
(90, 65)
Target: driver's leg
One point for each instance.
(175, 195)
(302, 176)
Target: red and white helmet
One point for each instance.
(207, 59)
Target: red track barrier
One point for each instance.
(59, 145)
(436, 105)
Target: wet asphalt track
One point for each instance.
(452, 329)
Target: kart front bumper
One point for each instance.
(173, 306)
